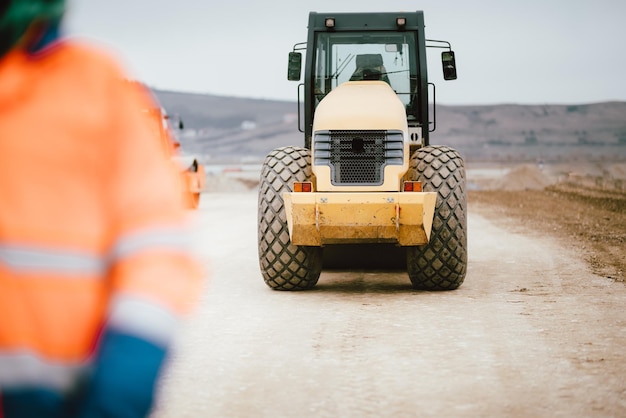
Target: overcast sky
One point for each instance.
(507, 51)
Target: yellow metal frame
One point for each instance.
(347, 214)
(316, 219)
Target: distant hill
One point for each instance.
(232, 129)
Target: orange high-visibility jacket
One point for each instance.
(93, 236)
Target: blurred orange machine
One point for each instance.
(192, 172)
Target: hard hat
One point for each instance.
(16, 16)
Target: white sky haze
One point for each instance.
(507, 51)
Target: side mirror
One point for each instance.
(449, 65)
(295, 66)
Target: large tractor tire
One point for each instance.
(442, 263)
(284, 266)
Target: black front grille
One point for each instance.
(358, 157)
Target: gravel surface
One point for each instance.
(532, 332)
(590, 220)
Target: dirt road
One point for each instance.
(531, 333)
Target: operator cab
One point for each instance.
(383, 46)
(385, 56)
